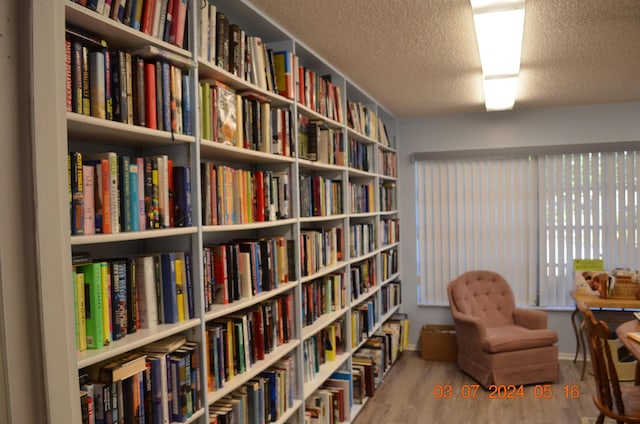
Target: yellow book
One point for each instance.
(106, 302)
(180, 289)
(80, 312)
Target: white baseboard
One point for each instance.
(562, 356)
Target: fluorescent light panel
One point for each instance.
(499, 27)
(500, 93)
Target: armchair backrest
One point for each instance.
(483, 294)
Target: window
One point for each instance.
(525, 218)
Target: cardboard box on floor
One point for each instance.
(438, 343)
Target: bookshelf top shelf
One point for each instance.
(219, 151)
(118, 35)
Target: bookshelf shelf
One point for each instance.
(327, 218)
(247, 227)
(389, 246)
(361, 137)
(211, 150)
(131, 236)
(366, 295)
(306, 111)
(353, 172)
(364, 257)
(133, 341)
(218, 311)
(309, 165)
(256, 369)
(324, 271)
(362, 215)
(209, 71)
(102, 131)
(321, 323)
(392, 278)
(325, 372)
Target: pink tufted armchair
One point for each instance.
(499, 343)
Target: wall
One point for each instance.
(20, 349)
(538, 127)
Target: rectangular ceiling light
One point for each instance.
(499, 28)
(500, 93)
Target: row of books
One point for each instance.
(388, 196)
(323, 296)
(360, 156)
(323, 347)
(361, 197)
(239, 196)
(320, 196)
(244, 119)
(113, 193)
(365, 121)
(157, 384)
(230, 48)
(238, 341)
(116, 297)
(388, 163)
(363, 277)
(332, 402)
(262, 399)
(162, 19)
(389, 231)
(371, 361)
(362, 239)
(146, 87)
(388, 263)
(318, 142)
(241, 270)
(391, 296)
(320, 248)
(364, 318)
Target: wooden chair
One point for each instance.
(621, 403)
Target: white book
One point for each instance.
(147, 294)
(88, 193)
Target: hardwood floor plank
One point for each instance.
(407, 396)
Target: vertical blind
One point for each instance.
(527, 219)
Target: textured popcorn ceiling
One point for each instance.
(419, 57)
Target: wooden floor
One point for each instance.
(408, 396)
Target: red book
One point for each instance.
(176, 34)
(258, 336)
(259, 190)
(150, 95)
(67, 68)
(105, 182)
(221, 277)
(146, 23)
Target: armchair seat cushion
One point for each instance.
(509, 338)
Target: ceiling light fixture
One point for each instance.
(499, 27)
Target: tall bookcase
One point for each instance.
(342, 237)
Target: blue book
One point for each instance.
(182, 196)
(133, 197)
(156, 388)
(273, 393)
(187, 267)
(168, 271)
(125, 193)
(186, 105)
(166, 96)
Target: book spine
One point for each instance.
(88, 193)
(140, 167)
(138, 93)
(125, 194)
(105, 279)
(86, 90)
(169, 288)
(133, 196)
(150, 95)
(76, 189)
(81, 317)
(93, 304)
(108, 85)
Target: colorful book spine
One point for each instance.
(93, 309)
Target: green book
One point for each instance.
(93, 304)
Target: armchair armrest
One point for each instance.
(530, 318)
(470, 332)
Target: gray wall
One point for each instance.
(539, 127)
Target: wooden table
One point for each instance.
(632, 345)
(595, 302)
